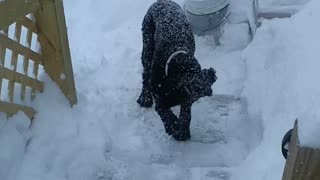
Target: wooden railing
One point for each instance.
(33, 37)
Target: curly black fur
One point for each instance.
(166, 30)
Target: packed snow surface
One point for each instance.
(262, 88)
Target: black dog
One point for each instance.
(171, 74)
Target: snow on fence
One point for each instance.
(31, 22)
(303, 163)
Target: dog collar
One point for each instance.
(170, 58)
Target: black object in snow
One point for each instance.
(285, 143)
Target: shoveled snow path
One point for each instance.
(108, 136)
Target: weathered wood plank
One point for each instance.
(14, 60)
(3, 49)
(55, 47)
(292, 154)
(35, 73)
(18, 48)
(69, 77)
(11, 108)
(26, 64)
(2, 60)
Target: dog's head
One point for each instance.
(200, 85)
(189, 78)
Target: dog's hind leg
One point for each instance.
(148, 30)
(182, 131)
(169, 120)
(179, 128)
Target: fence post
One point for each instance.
(53, 38)
(303, 163)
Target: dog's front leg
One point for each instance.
(148, 30)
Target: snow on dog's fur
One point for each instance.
(171, 74)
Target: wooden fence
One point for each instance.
(303, 163)
(33, 37)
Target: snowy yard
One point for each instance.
(262, 87)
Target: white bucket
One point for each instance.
(206, 16)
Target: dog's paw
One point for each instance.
(145, 99)
(182, 132)
(181, 135)
(170, 124)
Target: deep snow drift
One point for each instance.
(107, 136)
(282, 70)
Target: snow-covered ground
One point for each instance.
(236, 134)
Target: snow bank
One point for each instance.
(66, 143)
(309, 124)
(281, 85)
(14, 134)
